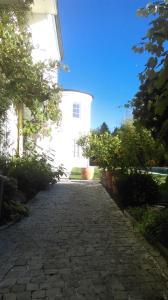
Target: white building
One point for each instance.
(75, 106)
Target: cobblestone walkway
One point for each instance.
(76, 245)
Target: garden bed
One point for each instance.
(25, 177)
(142, 198)
(152, 223)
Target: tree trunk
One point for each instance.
(20, 111)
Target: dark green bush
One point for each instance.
(157, 227)
(152, 223)
(25, 176)
(10, 188)
(137, 190)
(33, 174)
(137, 212)
(12, 211)
(164, 192)
(4, 164)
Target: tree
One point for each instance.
(150, 104)
(104, 148)
(104, 128)
(101, 129)
(132, 149)
(139, 149)
(22, 82)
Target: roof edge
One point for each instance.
(78, 91)
(58, 29)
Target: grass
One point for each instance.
(76, 174)
(163, 186)
(159, 178)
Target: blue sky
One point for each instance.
(97, 40)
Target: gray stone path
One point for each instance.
(75, 245)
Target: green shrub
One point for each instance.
(157, 227)
(137, 190)
(4, 164)
(13, 211)
(164, 192)
(137, 212)
(153, 224)
(33, 173)
(10, 188)
(28, 174)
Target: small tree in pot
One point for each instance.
(103, 149)
(87, 151)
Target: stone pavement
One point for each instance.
(75, 245)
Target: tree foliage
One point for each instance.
(150, 104)
(21, 80)
(102, 129)
(131, 148)
(102, 148)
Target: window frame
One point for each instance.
(76, 109)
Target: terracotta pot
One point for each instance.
(114, 184)
(103, 177)
(87, 173)
(109, 179)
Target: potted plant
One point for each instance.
(104, 148)
(87, 173)
(84, 142)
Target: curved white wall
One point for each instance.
(63, 138)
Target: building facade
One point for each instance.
(75, 106)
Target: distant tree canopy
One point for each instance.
(150, 104)
(102, 129)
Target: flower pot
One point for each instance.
(103, 177)
(109, 179)
(87, 173)
(114, 183)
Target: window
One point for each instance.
(76, 149)
(76, 110)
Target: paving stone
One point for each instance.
(40, 294)
(7, 283)
(54, 292)
(24, 296)
(32, 287)
(18, 288)
(21, 262)
(9, 297)
(4, 290)
(77, 245)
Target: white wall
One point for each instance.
(10, 130)
(60, 145)
(45, 40)
(62, 140)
